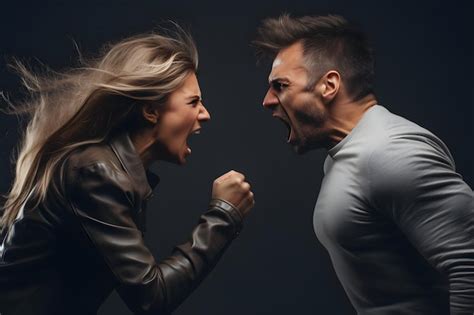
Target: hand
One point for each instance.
(233, 188)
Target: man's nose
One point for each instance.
(270, 100)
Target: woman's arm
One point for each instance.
(102, 201)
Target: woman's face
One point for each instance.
(178, 119)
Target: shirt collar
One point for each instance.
(144, 180)
(335, 149)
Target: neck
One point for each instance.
(344, 116)
(143, 141)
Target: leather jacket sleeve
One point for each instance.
(104, 203)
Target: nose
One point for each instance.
(203, 114)
(270, 100)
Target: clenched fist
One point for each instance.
(233, 188)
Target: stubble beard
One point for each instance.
(311, 134)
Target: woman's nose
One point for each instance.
(204, 114)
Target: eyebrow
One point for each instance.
(278, 79)
(194, 97)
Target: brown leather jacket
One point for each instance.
(67, 254)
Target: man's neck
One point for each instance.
(345, 114)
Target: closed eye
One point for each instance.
(278, 86)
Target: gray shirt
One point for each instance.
(397, 220)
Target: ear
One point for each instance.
(150, 113)
(329, 85)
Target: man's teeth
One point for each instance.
(197, 132)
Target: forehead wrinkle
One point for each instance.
(290, 64)
(191, 91)
(276, 74)
(289, 74)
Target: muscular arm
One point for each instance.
(102, 202)
(433, 207)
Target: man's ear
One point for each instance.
(329, 85)
(150, 113)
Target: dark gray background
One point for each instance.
(424, 72)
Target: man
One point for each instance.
(395, 217)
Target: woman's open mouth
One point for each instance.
(193, 133)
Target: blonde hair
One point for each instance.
(88, 104)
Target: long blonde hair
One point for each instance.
(89, 103)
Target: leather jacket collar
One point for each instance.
(144, 180)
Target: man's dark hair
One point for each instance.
(329, 43)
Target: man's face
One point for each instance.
(293, 102)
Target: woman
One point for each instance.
(72, 229)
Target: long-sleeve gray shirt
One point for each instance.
(397, 220)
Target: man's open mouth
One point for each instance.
(287, 124)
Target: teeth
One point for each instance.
(197, 132)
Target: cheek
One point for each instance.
(308, 114)
(186, 124)
(307, 110)
(175, 128)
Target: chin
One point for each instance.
(305, 147)
(298, 146)
(179, 160)
(300, 150)
(174, 159)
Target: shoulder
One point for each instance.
(92, 154)
(406, 140)
(93, 165)
(408, 166)
(409, 153)
(402, 145)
